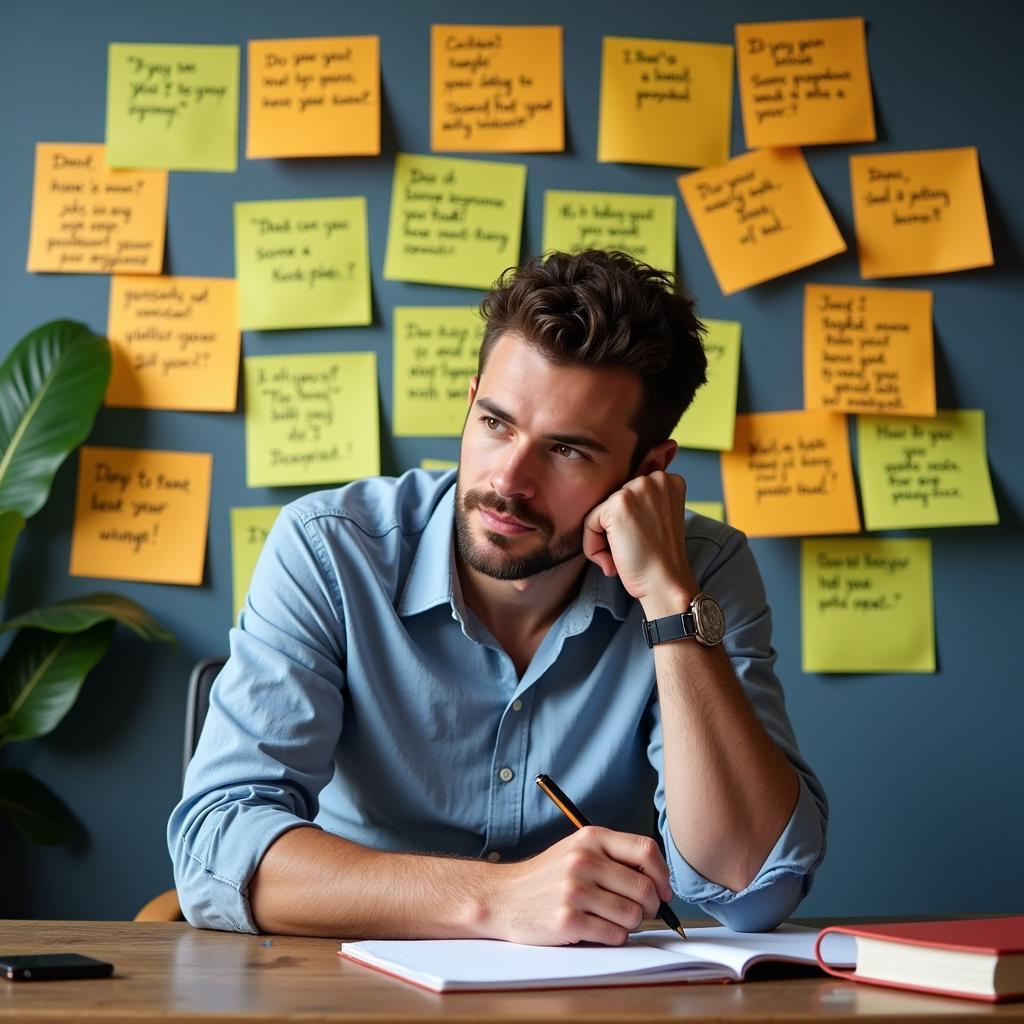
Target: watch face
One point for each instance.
(708, 619)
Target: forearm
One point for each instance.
(310, 882)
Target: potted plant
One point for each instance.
(51, 387)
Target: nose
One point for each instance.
(513, 477)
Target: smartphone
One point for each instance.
(52, 966)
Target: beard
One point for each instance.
(491, 556)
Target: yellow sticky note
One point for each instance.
(854, 589)
(141, 515)
(302, 263)
(925, 472)
(311, 419)
(435, 355)
(789, 473)
(454, 222)
(90, 219)
(175, 343)
(919, 213)
(642, 226)
(711, 509)
(249, 529)
(496, 89)
(759, 216)
(803, 83)
(665, 102)
(868, 350)
(443, 464)
(711, 419)
(173, 106)
(314, 97)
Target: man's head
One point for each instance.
(587, 363)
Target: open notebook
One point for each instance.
(648, 958)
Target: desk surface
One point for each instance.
(175, 972)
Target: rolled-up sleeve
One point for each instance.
(268, 743)
(787, 873)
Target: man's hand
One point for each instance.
(585, 888)
(638, 534)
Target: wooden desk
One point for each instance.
(175, 972)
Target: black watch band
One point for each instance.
(669, 627)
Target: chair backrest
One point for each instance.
(199, 684)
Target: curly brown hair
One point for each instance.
(603, 308)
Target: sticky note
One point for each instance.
(789, 473)
(314, 97)
(496, 89)
(868, 350)
(443, 464)
(759, 216)
(90, 219)
(311, 419)
(174, 343)
(665, 102)
(803, 83)
(710, 420)
(141, 514)
(173, 106)
(642, 226)
(453, 221)
(711, 509)
(925, 472)
(919, 213)
(302, 263)
(435, 356)
(249, 529)
(867, 605)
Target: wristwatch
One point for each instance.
(703, 620)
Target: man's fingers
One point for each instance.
(638, 852)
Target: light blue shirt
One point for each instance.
(362, 695)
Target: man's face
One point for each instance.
(543, 444)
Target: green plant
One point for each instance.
(51, 387)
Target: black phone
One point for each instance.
(52, 966)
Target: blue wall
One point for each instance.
(924, 772)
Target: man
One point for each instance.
(414, 651)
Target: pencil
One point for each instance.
(579, 819)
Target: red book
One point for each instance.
(980, 959)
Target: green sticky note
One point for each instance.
(438, 464)
(453, 221)
(311, 419)
(435, 355)
(711, 509)
(302, 263)
(710, 421)
(925, 472)
(867, 605)
(249, 529)
(172, 106)
(642, 226)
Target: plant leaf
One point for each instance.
(51, 386)
(40, 676)
(11, 524)
(79, 613)
(36, 811)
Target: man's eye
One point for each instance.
(568, 453)
(491, 423)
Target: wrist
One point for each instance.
(476, 911)
(671, 599)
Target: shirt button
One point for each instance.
(517, 705)
(506, 775)
(494, 856)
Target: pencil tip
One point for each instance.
(681, 932)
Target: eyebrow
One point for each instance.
(574, 440)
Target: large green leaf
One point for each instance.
(36, 811)
(79, 613)
(11, 524)
(40, 676)
(51, 386)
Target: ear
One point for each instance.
(658, 458)
(474, 383)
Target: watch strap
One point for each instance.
(669, 627)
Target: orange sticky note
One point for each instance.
(789, 473)
(314, 97)
(141, 515)
(921, 212)
(496, 89)
(868, 350)
(759, 216)
(804, 83)
(175, 343)
(90, 219)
